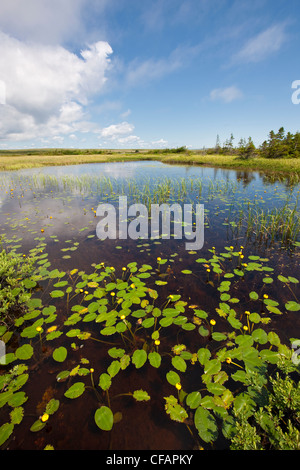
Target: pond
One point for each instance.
(130, 343)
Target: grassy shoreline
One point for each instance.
(22, 160)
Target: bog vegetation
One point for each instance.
(203, 336)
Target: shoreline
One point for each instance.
(15, 161)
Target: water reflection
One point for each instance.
(62, 200)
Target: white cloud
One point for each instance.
(262, 45)
(47, 87)
(121, 135)
(227, 95)
(115, 131)
(159, 143)
(49, 22)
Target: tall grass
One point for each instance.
(16, 160)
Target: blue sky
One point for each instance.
(146, 74)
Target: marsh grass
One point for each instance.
(21, 159)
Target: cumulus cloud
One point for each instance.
(227, 95)
(47, 87)
(49, 22)
(115, 131)
(120, 135)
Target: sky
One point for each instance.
(138, 74)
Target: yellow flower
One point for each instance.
(112, 294)
(91, 370)
(247, 312)
(124, 269)
(245, 327)
(157, 342)
(132, 286)
(178, 386)
(194, 358)
(266, 296)
(158, 259)
(122, 317)
(231, 247)
(42, 230)
(38, 328)
(86, 292)
(212, 322)
(45, 417)
(208, 270)
(52, 328)
(228, 360)
(242, 256)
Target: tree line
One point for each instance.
(278, 145)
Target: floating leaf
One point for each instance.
(116, 352)
(17, 399)
(139, 358)
(104, 381)
(24, 352)
(57, 293)
(104, 418)
(52, 406)
(212, 367)
(292, 306)
(154, 359)
(172, 377)
(140, 395)
(206, 425)
(38, 425)
(253, 295)
(114, 368)
(218, 336)
(5, 432)
(203, 355)
(175, 410)
(179, 363)
(16, 415)
(193, 399)
(60, 354)
(75, 390)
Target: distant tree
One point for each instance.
(228, 145)
(217, 146)
(246, 149)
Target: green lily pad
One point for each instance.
(104, 418)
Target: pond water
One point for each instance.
(248, 213)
